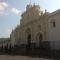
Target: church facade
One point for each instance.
(38, 27)
(33, 25)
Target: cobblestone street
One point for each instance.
(8, 57)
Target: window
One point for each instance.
(53, 24)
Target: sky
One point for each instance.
(11, 10)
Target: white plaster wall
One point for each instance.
(54, 32)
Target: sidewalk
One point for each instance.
(8, 57)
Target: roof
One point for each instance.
(54, 13)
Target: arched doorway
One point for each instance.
(39, 39)
(28, 36)
(29, 40)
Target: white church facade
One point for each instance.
(38, 27)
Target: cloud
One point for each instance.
(16, 11)
(4, 9)
(3, 5)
